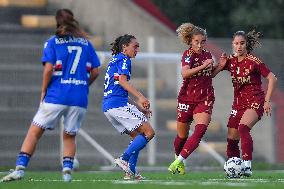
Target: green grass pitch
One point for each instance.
(155, 180)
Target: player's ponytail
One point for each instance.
(67, 25)
(187, 30)
(116, 46)
(252, 39)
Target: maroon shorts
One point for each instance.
(186, 110)
(237, 114)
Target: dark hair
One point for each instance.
(251, 38)
(186, 31)
(67, 25)
(118, 42)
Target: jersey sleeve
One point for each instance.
(263, 69)
(93, 57)
(48, 54)
(123, 66)
(186, 59)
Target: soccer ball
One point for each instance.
(233, 167)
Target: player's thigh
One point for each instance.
(73, 118)
(202, 118)
(249, 118)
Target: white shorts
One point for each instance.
(48, 115)
(125, 119)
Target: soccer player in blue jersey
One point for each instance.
(70, 67)
(125, 117)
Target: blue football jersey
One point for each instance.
(72, 59)
(114, 95)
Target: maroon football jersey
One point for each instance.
(246, 79)
(199, 86)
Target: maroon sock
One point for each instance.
(194, 140)
(178, 144)
(233, 148)
(246, 142)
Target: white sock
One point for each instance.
(180, 158)
(247, 163)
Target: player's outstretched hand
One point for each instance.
(208, 62)
(267, 108)
(223, 60)
(143, 103)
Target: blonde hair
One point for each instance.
(186, 31)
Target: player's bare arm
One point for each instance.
(142, 102)
(93, 75)
(47, 74)
(270, 88)
(222, 63)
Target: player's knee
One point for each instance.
(150, 134)
(183, 136)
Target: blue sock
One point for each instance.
(68, 162)
(133, 161)
(23, 159)
(138, 143)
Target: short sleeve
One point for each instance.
(123, 66)
(263, 69)
(93, 57)
(48, 54)
(186, 59)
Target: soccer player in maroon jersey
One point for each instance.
(196, 96)
(249, 99)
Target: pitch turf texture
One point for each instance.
(109, 180)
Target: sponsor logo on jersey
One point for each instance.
(241, 80)
(73, 81)
(183, 107)
(234, 113)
